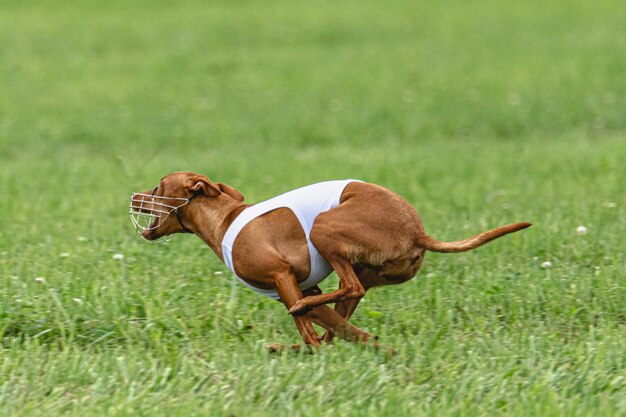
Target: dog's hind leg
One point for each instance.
(350, 287)
(347, 307)
(333, 322)
(344, 309)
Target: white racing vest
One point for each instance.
(306, 203)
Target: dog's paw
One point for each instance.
(389, 351)
(327, 337)
(300, 307)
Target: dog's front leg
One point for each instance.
(290, 294)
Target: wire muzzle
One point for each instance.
(148, 212)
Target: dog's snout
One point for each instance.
(147, 234)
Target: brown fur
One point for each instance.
(373, 238)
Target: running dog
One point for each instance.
(285, 246)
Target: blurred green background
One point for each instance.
(480, 113)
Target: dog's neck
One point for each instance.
(209, 219)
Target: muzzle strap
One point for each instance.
(181, 220)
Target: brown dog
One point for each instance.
(372, 238)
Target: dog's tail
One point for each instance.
(435, 245)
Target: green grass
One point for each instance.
(479, 113)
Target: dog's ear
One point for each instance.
(204, 186)
(230, 191)
(210, 189)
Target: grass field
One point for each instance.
(480, 113)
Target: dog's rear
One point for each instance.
(382, 235)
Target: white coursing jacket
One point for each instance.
(306, 203)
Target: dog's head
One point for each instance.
(158, 213)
